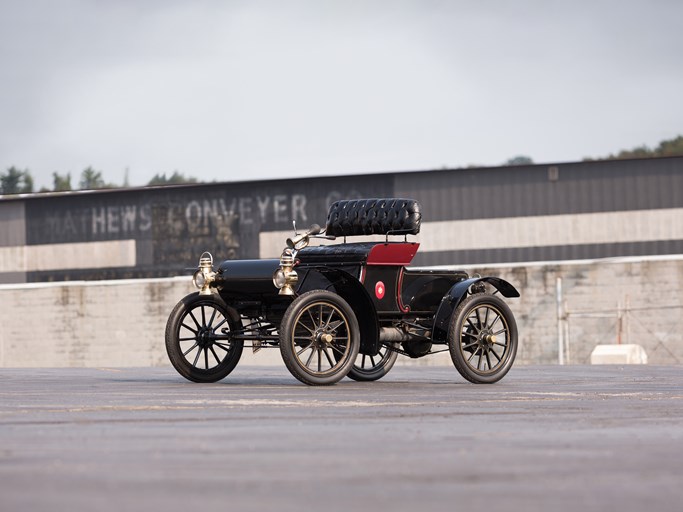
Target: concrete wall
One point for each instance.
(121, 323)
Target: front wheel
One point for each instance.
(319, 338)
(482, 338)
(198, 338)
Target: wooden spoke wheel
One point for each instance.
(482, 338)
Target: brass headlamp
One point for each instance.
(285, 276)
(204, 275)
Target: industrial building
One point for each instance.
(550, 212)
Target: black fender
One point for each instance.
(455, 296)
(352, 291)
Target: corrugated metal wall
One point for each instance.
(488, 215)
(12, 241)
(542, 194)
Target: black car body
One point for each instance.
(344, 309)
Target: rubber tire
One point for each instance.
(376, 372)
(454, 344)
(175, 354)
(287, 348)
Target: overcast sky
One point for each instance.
(232, 90)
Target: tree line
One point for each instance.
(670, 147)
(20, 181)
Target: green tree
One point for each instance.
(16, 181)
(176, 178)
(637, 152)
(519, 160)
(672, 147)
(91, 179)
(62, 182)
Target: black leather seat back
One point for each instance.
(392, 216)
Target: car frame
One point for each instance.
(344, 309)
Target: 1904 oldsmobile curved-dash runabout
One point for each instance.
(346, 309)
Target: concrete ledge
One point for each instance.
(618, 354)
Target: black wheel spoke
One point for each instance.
(498, 332)
(206, 359)
(187, 339)
(335, 325)
(218, 361)
(197, 358)
(213, 316)
(496, 355)
(189, 328)
(223, 346)
(468, 345)
(203, 317)
(327, 355)
(320, 361)
(310, 358)
(304, 350)
(189, 349)
(312, 319)
(477, 329)
(329, 319)
(495, 320)
(301, 323)
(488, 360)
(339, 350)
(195, 320)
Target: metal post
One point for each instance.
(626, 319)
(560, 318)
(567, 337)
(619, 327)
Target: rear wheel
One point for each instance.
(368, 368)
(482, 338)
(198, 339)
(319, 338)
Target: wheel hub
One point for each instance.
(204, 338)
(486, 339)
(322, 339)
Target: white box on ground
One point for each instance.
(619, 354)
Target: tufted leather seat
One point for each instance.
(374, 217)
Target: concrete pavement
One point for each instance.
(545, 438)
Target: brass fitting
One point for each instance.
(204, 275)
(285, 276)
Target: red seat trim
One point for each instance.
(396, 253)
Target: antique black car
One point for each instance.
(344, 309)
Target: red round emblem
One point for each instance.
(379, 290)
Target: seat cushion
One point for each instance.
(392, 216)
